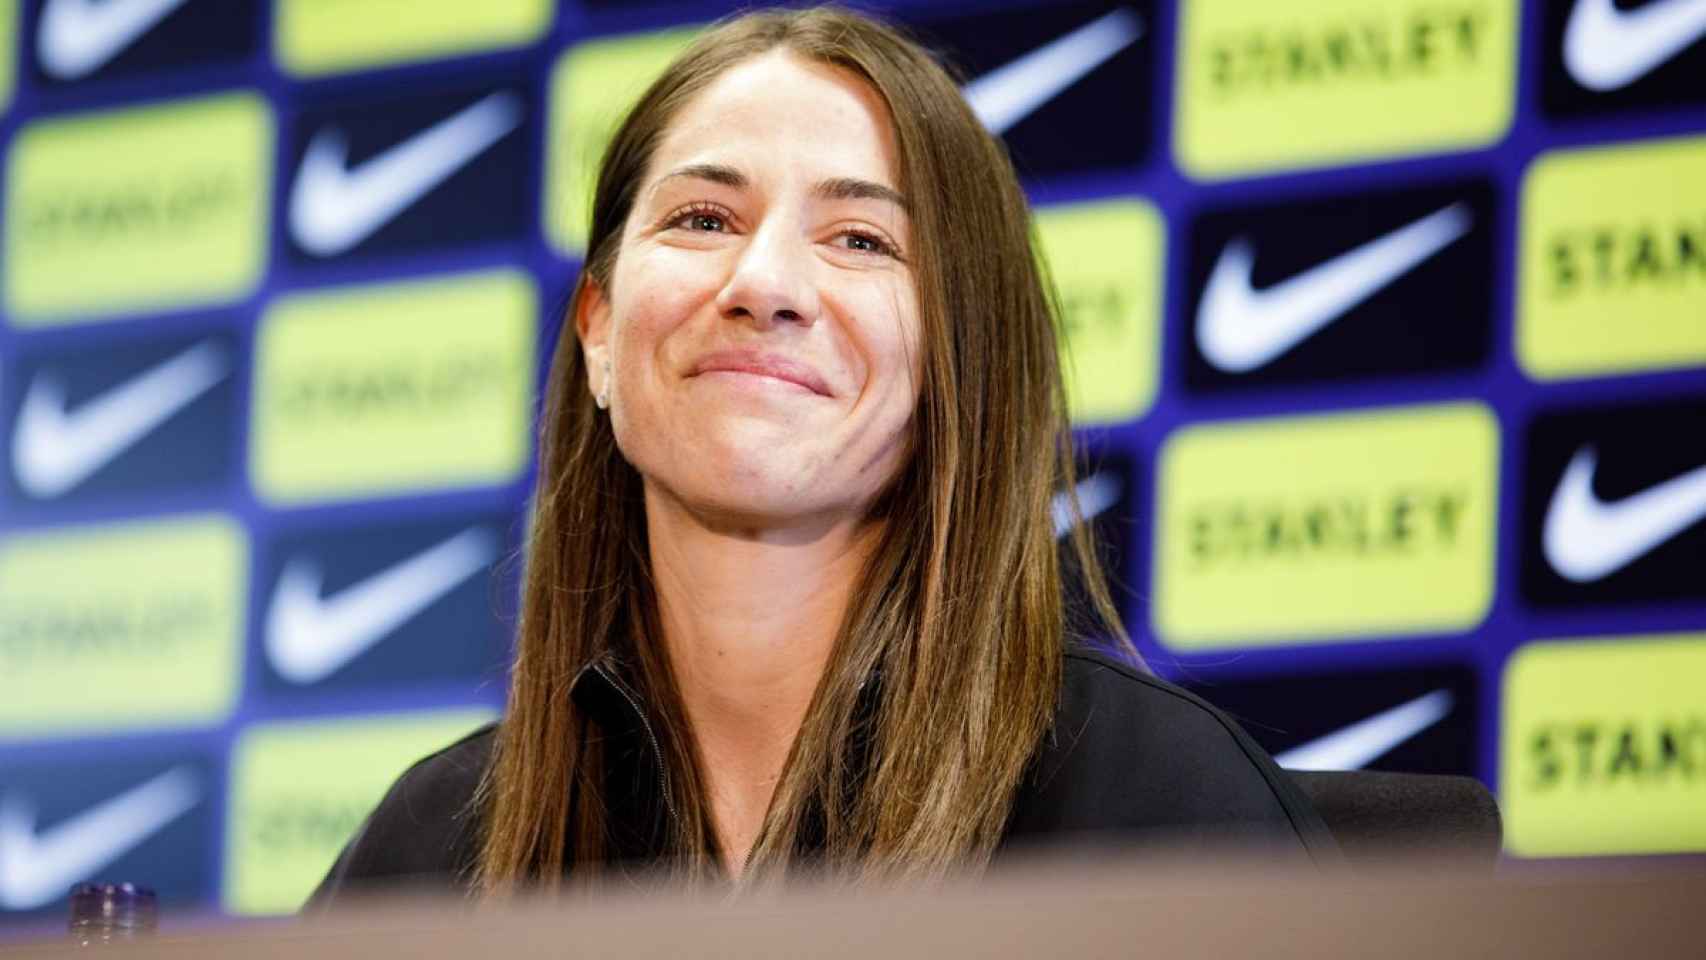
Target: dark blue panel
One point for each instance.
(107, 815)
(388, 606)
(74, 43)
(123, 416)
(448, 160)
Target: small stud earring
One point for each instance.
(603, 398)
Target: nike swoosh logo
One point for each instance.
(77, 37)
(1363, 742)
(36, 869)
(1587, 539)
(308, 638)
(1013, 91)
(1240, 328)
(1096, 493)
(333, 208)
(1606, 48)
(53, 451)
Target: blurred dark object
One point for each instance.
(106, 912)
(1374, 814)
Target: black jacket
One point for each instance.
(1131, 759)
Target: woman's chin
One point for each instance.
(760, 468)
(764, 482)
(740, 442)
(756, 489)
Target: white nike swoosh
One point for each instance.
(309, 638)
(53, 451)
(77, 37)
(1586, 539)
(1096, 493)
(1240, 328)
(1013, 91)
(36, 869)
(333, 208)
(1363, 742)
(1606, 48)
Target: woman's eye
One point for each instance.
(867, 243)
(696, 218)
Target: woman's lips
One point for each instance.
(763, 365)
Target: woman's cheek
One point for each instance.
(655, 306)
(645, 330)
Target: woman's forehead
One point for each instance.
(781, 106)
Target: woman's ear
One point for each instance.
(592, 328)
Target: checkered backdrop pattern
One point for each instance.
(1386, 323)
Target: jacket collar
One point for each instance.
(638, 806)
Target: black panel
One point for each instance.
(1286, 712)
(1655, 78)
(1099, 121)
(1638, 449)
(1433, 314)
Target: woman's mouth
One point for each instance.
(765, 370)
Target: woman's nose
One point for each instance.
(771, 280)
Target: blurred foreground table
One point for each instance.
(1170, 909)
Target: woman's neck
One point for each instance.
(749, 617)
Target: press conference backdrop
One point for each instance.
(1387, 324)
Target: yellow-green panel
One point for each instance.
(1270, 85)
(1603, 749)
(593, 85)
(1106, 259)
(180, 222)
(394, 388)
(126, 626)
(300, 790)
(317, 37)
(8, 51)
(1310, 529)
(1613, 260)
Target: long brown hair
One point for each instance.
(959, 609)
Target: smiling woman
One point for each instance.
(793, 594)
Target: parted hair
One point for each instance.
(960, 609)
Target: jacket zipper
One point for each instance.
(657, 751)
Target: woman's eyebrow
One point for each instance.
(835, 188)
(714, 172)
(852, 188)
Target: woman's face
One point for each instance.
(761, 321)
